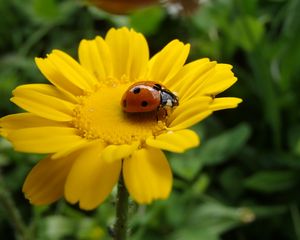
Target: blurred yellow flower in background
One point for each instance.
(78, 119)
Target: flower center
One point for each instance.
(100, 116)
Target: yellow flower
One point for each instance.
(78, 119)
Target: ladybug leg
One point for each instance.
(168, 111)
(163, 112)
(160, 113)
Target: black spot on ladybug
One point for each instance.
(136, 90)
(124, 103)
(157, 87)
(144, 103)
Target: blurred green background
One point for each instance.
(241, 183)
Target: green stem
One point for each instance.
(120, 227)
(13, 213)
(296, 219)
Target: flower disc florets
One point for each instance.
(100, 116)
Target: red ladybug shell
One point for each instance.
(141, 97)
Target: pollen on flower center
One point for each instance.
(100, 116)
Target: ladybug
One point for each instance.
(148, 96)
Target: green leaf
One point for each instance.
(272, 181)
(190, 233)
(291, 20)
(187, 164)
(231, 180)
(269, 211)
(89, 229)
(294, 139)
(247, 31)
(201, 185)
(57, 227)
(46, 9)
(218, 215)
(212, 219)
(150, 24)
(222, 147)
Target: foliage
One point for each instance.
(241, 183)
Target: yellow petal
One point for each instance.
(165, 64)
(117, 152)
(178, 141)
(91, 179)
(35, 99)
(147, 175)
(72, 70)
(215, 81)
(190, 77)
(79, 144)
(129, 51)
(45, 182)
(55, 75)
(189, 113)
(25, 120)
(106, 57)
(49, 90)
(43, 139)
(224, 103)
(222, 79)
(3, 133)
(95, 56)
